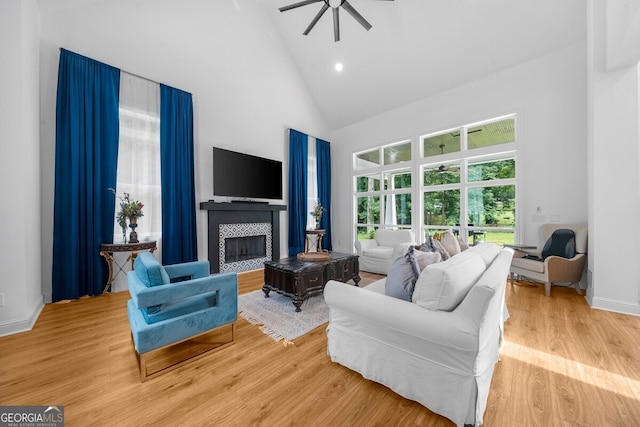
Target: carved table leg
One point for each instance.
(109, 259)
(356, 279)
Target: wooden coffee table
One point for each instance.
(299, 279)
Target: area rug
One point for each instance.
(277, 315)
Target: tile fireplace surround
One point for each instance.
(242, 235)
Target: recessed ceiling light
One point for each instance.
(339, 66)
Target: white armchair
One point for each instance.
(376, 255)
(553, 269)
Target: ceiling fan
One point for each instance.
(446, 168)
(335, 6)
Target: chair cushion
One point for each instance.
(149, 270)
(528, 264)
(562, 243)
(444, 285)
(379, 252)
(393, 237)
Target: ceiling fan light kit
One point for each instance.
(344, 4)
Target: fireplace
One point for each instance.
(244, 246)
(242, 235)
(238, 249)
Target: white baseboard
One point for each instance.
(616, 306)
(21, 324)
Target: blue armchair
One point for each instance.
(163, 313)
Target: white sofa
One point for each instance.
(442, 359)
(377, 254)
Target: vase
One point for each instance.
(133, 236)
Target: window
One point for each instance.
(465, 180)
(472, 187)
(383, 197)
(139, 154)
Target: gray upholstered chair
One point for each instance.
(553, 269)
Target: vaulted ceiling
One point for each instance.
(417, 48)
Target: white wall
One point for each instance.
(19, 166)
(246, 89)
(549, 96)
(614, 155)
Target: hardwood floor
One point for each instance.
(562, 364)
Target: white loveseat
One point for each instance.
(377, 254)
(442, 359)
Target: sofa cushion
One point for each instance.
(149, 270)
(488, 251)
(444, 285)
(402, 276)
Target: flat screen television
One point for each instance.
(243, 176)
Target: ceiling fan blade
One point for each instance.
(295, 5)
(336, 24)
(351, 11)
(316, 19)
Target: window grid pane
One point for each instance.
(492, 170)
(397, 153)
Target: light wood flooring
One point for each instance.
(563, 364)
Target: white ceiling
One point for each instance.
(417, 48)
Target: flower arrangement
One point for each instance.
(316, 213)
(128, 209)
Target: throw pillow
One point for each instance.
(450, 243)
(402, 276)
(441, 250)
(428, 245)
(427, 258)
(444, 285)
(463, 245)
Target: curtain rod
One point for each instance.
(125, 71)
(321, 139)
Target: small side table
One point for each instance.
(317, 232)
(107, 250)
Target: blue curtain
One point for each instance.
(179, 234)
(323, 154)
(87, 131)
(298, 152)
